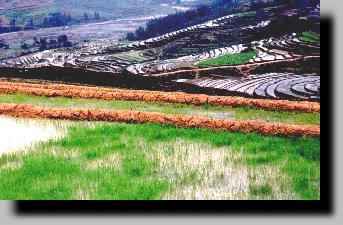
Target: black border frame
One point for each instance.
(322, 206)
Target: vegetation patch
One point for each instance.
(131, 161)
(272, 7)
(250, 13)
(261, 190)
(124, 42)
(15, 47)
(131, 56)
(228, 60)
(309, 36)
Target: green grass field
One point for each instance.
(217, 112)
(228, 60)
(146, 161)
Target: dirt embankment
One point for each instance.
(246, 126)
(73, 91)
(298, 64)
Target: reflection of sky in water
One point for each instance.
(18, 134)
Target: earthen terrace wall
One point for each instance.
(246, 126)
(74, 91)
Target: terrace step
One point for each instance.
(314, 88)
(271, 85)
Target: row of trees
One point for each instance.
(58, 19)
(41, 44)
(86, 17)
(11, 28)
(55, 19)
(44, 44)
(300, 3)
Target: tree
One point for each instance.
(12, 25)
(35, 41)
(3, 44)
(203, 10)
(53, 43)
(46, 22)
(62, 39)
(85, 16)
(140, 33)
(43, 44)
(30, 23)
(130, 36)
(24, 45)
(96, 15)
(12, 22)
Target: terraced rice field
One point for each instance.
(132, 56)
(271, 85)
(53, 90)
(258, 139)
(139, 116)
(98, 57)
(235, 45)
(228, 60)
(18, 134)
(158, 162)
(155, 158)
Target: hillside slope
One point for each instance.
(245, 54)
(23, 11)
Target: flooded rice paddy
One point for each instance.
(18, 134)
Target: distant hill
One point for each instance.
(34, 11)
(204, 12)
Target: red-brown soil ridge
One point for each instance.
(74, 91)
(246, 126)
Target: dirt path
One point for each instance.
(247, 126)
(74, 91)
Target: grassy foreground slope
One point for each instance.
(146, 161)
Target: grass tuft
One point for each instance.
(263, 190)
